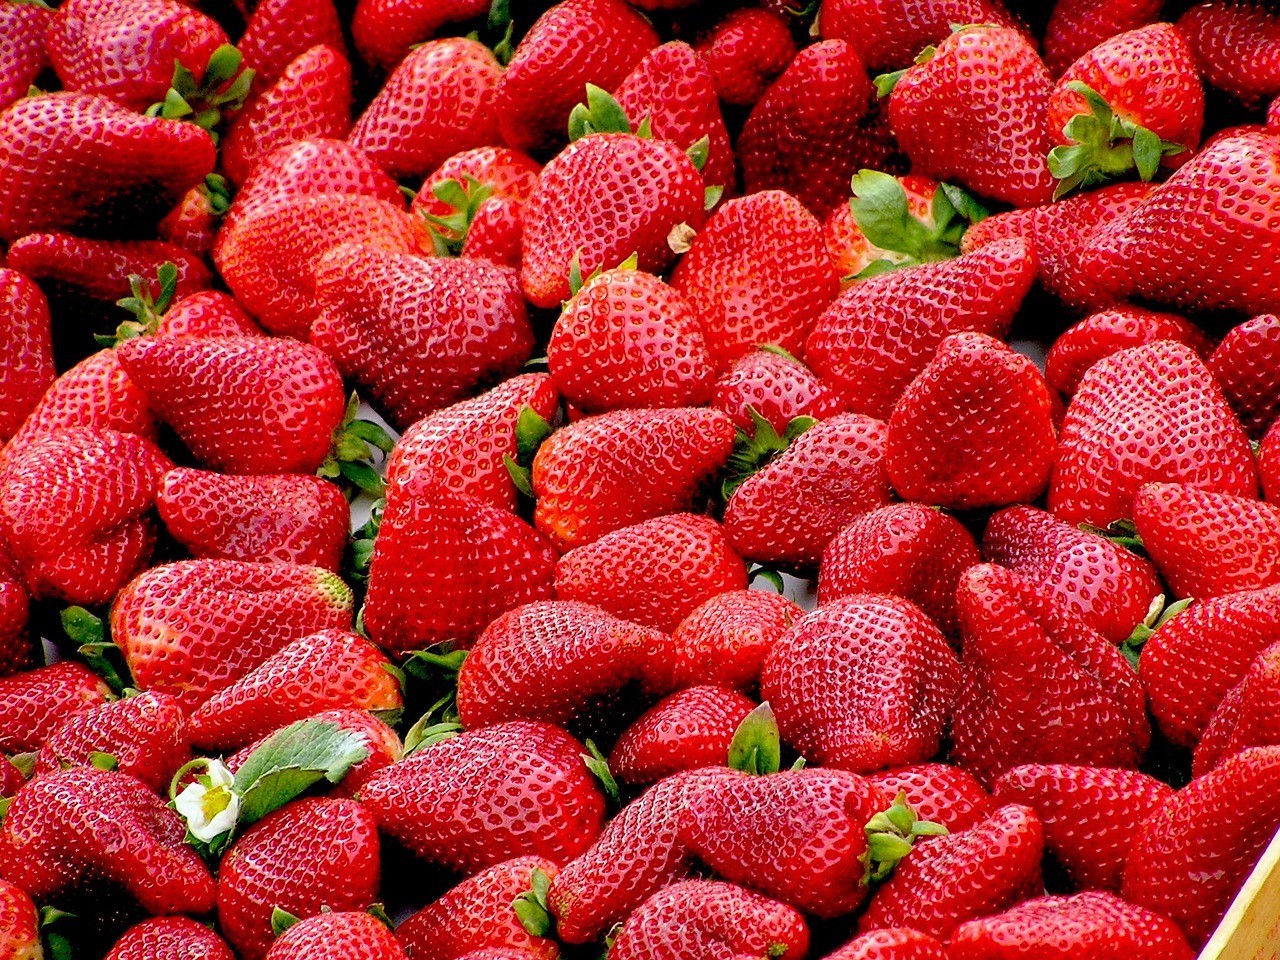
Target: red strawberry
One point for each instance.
(1237, 46)
(312, 98)
(778, 387)
(281, 30)
(27, 353)
(973, 111)
(1088, 815)
(1077, 26)
(887, 34)
(146, 734)
(76, 512)
(23, 27)
(445, 565)
(170, 938)
(486, 796)
(241, 404)
(1109, 331)
(655, 572)
(308, 856)
(17, 647)
(626, 339)
(685, 731)
(723, 642)
(1191, 856)
(1088, 924)
(944, 794)
(509, 175)
(810, 133)
(1039, 685)
(710, 918)
(790, 508)
(892, 943)
(549, 661)
(290, 518)
(418, 332)
(325, 671)
(337, 936)
(906, 549)
(1108, 587)
(385, 30)
(193, 222)
(745, 52)
(206, 313)
(574, 43)
(1245, 365)
(1269, 463)
(194, 627)
(758, 273)
(140, 166)
(1246, 717)
(617, 469)
(877, 337)
(1217, 209)
(478, 915)
(496, 233)
(11, 779)
(862, 684)
(75, 828)
(1120, 431)
(34, 703)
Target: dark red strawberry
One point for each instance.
(26, 357)
(347, 935)
(745, 52)
(892, 943)
(1269, 463)
(1246, 717)
(281, 30)
(1077, 26)
(23, 27)
(778, 387)
(17, 647)
(685, 731)
(170, 938)
(1237, 46)
(1245, 365)
(385, 30)
(34, 703)
(938, 792)
(888, 35)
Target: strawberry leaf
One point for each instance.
(756, 747)
(290, 761)
(55, 926)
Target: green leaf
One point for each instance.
(711, 196)
(699, 150)
(767, 574)
(54, 934)
(102, 761)
(598, 764)
(575, 273)
(522, 477)
(5, 804)
(645, 129)
(886, 82)
(425, 734)
(223, 64)
(107, 660)
(364, 477)
(281, 920)
(964, 203)
(756, 747)
(291, 760)
(880, 209)
(25, 762)
(81, 626)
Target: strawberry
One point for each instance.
(1246, 717)
(655, 572)
(947, 795)
(1237, 46)
(1245, 364)
(887, 34)
(1269, 463)
(477, 914)
(862, 684)
(777, 386)
(945, 881)
(194, 627)
(1192, 855)
(20, 923)
(85, 827)
(308, 856)
(496, 233)
(972, 110)
(328, 670)
(1086, 925)
(509, 175)
(11, 779)
(1108, 587)
(1194, 659)
(206, 313)
(573, 43)
(1118, 429)
(1002, 450)
(638, 854)
(1077, 26)
(881, 333)
(33, 704)
(603, 198)
(486, 796)
(281, 30)
(685, 731)
(617, 469)
(1039, 685)
(891, 943)
(1214, 209)
(386, 30)
(249, 405)
(23, 27)
(723, 642)
(444, 565)
(1088, 815)
(145, 734)
(808, 133)
(626, 339)
(745, 52)
(438, 100)
(312, 98)
(418, 333)
(76, 512)
(193, 222)
(758, 273)
(907, 550)
(710, 918)
(170, 938)
(789, 509)
(337, 936)
(27, 352)
(1109, 331)
(17, 647)
(289, 518)
(80, 161)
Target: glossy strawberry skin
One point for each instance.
(34, 703)
(1245, 718)
(280, 30)
(892, 943)
(745, 52)
(386, 30)
(207, 313)
(685, 731)
(1236, 47)
(170, 938)
(1269, 464)
(1244, 364)
(1077, 26)
(17, 646)
(935, 791)
(887, 36)
(777, 387)
(27, 352)
(22, 48)
(349, 935)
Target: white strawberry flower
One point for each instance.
(209, 805)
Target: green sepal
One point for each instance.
(598, 764)
(25, 762)
(531, 430)
(644, 130)
(885, 82)
(756, 747)
(223, 90)
(102, 760)
(499, 23)
(1123, 533)
(711, 196)
(768, 574)
(96, 648)
(751, 453)
(463, 197)
(532, 908)
(600, 114)
(430, 664)
(5, 804)
(426, 734)
(379, 912)
(147, 310)
(282, 920)
(891, 834)
(356, 447)
(360, 546)
(699, 150)
(1157, 616)
(57, 943)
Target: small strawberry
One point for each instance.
(508, 175)
(386, 30)
(745, 52)
(281, 30)
(777, 386)
(34, 703)
(23, 27)
(1245, 365)
(337, 936)
(1246, 717)
(892, 943)
(887, 35)
(170, 938)
(193, 222)
(26, 357)
(687, 730)
(935, 791)
(1077, 26)
(1237, 46)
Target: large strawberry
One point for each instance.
(170, 938)
(34, 703)
(887, 34)
(1245, 365)
(1237, 46)
(745, 51)
(385, 30)
(939, 792)
(338, 936)
(778, 387)
(280, 30)
(23, 27)
(26, 367)
(690, 729)
(1077, 26)
(1246, 717)
(892, 943)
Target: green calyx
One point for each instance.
(751, 453)
(146, 308)
(598, 764)
(1123, 533)
(217, 193)
(883, 214)
(358, 447)
(756, 747)
(891, 834)
(1104, 146)
(1157, 616)
(224, 88)
(886, 82)
(531, 430)
(432, 675)
(464, 197)
(532, 907)
(281, 920)
(437, 724)
(602, 114)
(96, 648)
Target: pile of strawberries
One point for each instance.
(637, 478)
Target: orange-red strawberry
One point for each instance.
(385, 30)
(289, 518)
(485, 796)
(1245, 364)
(745, 51)
(23, 27)
(907, 550)
(34, 703)
(26, 356)
(418, 332)
(1246, 717)
(777, 386)
(1077, 26)
(892, 943)
(616, 469)
(1149, 413)
(935, 791)
(862, 683)
(170, 938)
(887, 34)
(348, 935)
(281, 30)
(310, 855)
(877, 337)
(758, 273)
(1237, 46)
(687, 730)
(194, 627)
(697, 918)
